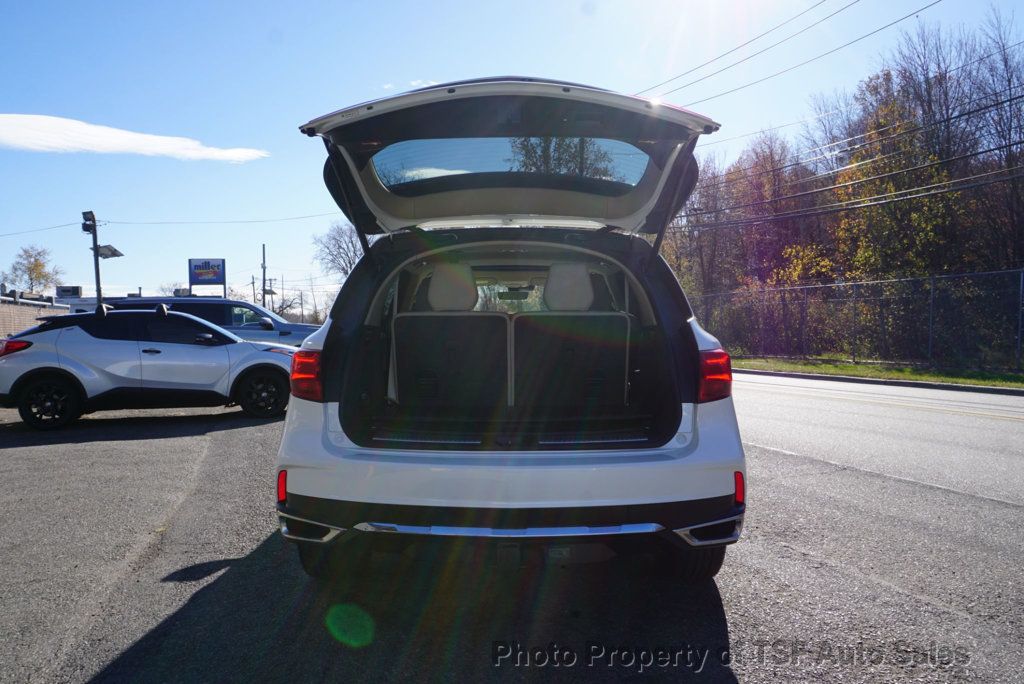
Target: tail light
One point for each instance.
(715, 376)
(305, 379)
(282, 486)
(741, 488)
(11, 346)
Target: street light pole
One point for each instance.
(89, 226)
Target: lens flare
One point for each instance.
(350, 625)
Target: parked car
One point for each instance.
(79, 363)
(513, 362)
(245, 319)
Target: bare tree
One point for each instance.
(934, 72)
(566, 156)
(285, 304)
(338, 250)
(1001, 75)
(828, 132)
(31, 270)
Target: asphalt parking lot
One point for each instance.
(884, 541)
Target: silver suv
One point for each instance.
(77, 363)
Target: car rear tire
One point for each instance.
(262, 393)
(695, 565)
(49, 402)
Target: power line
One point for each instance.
(807, 61)
(830, 281)
(763, 50)
(808, 119)
(729, 52)
(922, 126)
(855, 148)
(858, 181)
(218, 221)
(866, 202)
(177, 223)
(38, 230)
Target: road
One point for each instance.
(883, 541)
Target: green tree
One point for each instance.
(899, 238)
(32, 271)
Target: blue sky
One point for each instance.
(245, 75)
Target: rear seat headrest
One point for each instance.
(568, 288)
(452, 288)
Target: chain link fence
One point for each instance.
(973, 320)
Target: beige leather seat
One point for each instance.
(451, 357)
(570, 357)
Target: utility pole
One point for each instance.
(254, 289)
(89, 226)
(263, 296)
(931, 317)
(312, 293)
(302, 308)
(1020, 318)
(271, 296)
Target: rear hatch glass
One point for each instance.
(416, 167)
(510, 152)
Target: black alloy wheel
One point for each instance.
(49, 403)
(263, 394)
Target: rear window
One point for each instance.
(510, 299)
(114, 326)
(212, 312)
(597, 165)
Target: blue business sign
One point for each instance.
(206, 272)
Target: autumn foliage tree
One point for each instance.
(917, 171)
(32, 271)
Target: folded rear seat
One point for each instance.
(451, 357)
(570, 358)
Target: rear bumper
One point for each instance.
(700, 522)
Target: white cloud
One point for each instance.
(40, 133)
(387, 86)
(421, 82)
(429, 172)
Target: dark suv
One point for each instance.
(245, 319)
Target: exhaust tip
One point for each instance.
(303, 530)
(724, 531)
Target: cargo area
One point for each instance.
(510, 347)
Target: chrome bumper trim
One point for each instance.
(687, 532)
(521, 533)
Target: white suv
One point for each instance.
(509, 363)
(78, 363)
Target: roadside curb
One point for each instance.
(986, 389)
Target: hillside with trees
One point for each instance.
(915, 172)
